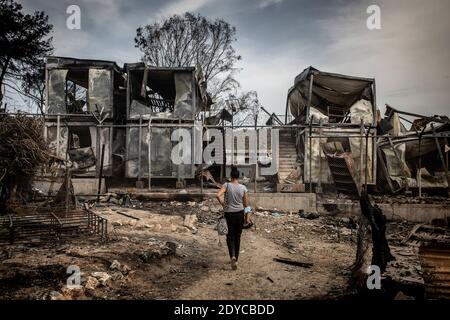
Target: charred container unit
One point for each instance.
(159, 101)
(336, 136)
(413, 152)
(85, 98)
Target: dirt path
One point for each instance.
(199, 269)
(258, 276)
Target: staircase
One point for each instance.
(287, 155)
(342, 169)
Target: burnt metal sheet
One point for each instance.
(329, 89)
(161, 147)
(161, 150)
(138, 109)
(52, 138)
(101, 90)
(434, 254)
(104, 137)
(65, 62)
(435, 262)
(132, 168)
(184, 107)
(404, 152)
(163, 92)
(82, 158)
(56, 102)
(428, 235)
(98, 77)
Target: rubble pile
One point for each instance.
(403, 199)
(92, 283)
(158, 251)
(291, 230)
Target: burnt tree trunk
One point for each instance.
(381, 253)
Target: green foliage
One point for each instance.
(24, 42)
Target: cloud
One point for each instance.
(267, 3)
(182, 6)
(409, 56)
(271, 75)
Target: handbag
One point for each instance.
(222, 226)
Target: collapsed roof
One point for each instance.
(329, 92)
(413, 157)
(79, 67)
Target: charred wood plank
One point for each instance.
(297, 263)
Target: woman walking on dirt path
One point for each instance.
(235, 199)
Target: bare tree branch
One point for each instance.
(189, 40)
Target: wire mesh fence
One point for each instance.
(40, 225)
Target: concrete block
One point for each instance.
(87, 186)
(283, 187)
(424, 213)
(414, 212)
(284, 201)
(81, 186)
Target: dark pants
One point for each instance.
(235, 221)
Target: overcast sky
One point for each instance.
(409, 56)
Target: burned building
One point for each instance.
(341, 139)
(335, 129)
(165, 99)
(84, 100)
(414, 157)
(94, 105)
(332, 138)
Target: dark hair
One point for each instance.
(234, 173)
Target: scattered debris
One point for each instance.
(103, 278)
(159, 251)
(91, 283)
(308, 215)
(127, 215)
(276, 214)
(402, 296)
(116, 224)
(55, 295)
(435, 259)
(422, 234)
(189, 221)
(303, 264)
(115, 265)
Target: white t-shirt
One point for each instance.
(234, 196)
